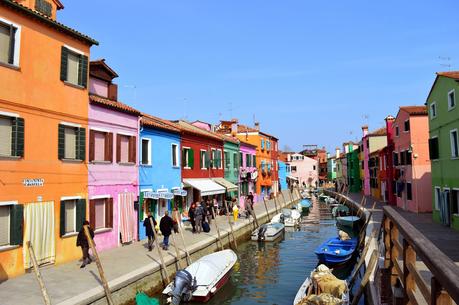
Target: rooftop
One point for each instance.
(450, 74)
(415, 110)
(378, 132)
(155, 122)
(115, 105)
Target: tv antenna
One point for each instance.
(445, 62)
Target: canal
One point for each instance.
(271, 273)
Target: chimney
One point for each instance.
(390, 133)
(257, 126)
(337, 153)
(113, 91)
(365, 130)
(234, 127)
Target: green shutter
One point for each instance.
(183, 157)
(64, 60)
(80, 214)
(61, 142)
(17, 139)
(191, 158)
(207, 159)
(62, 219)
(83, 71)
(254, 161)
(16, 224)
(81, 144)
(141, 206)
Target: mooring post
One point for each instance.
(217, 229)
(33, 258)
(188, 258)
(230, 224)
(163, 265)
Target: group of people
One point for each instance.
(167, 224)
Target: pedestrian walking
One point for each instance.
(166, 225)
(176, 218)
(209, 210)
(250, 199)
(149, 230)
(82, 242)
(199, 216)
(192, 216)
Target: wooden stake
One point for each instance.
(163, 265)
(355, 273)
(188, 258)
(283, 198)
(44, 292)
(366, 277)
(266, 208)
(177, 253)
(218, 230)
(230, 224)
(275, 205)
(254, 215)
(108, 294)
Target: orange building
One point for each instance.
(43, 128)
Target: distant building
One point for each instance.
(302, 170)
(353, 168)
(371, 142)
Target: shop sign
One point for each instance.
(151, 195)
(182, 193)
(166, 195)
(33, 182)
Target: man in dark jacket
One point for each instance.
(191, 215)
(166, 225)
(149, 230)
(82, 242)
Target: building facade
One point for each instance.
(371, 142)
(353, 169)
(248, 172)
(43, 131)
(302, 170)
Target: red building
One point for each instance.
(388, 184)
(202, 160)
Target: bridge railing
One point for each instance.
(405, 249)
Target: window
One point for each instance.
(101, 213)
(313, 167)
(203, 159)
(235, 163)
(409, 192)
(268, 145)
(262, 144)
(11, 219)
(241, 159)
(408, 157)
(402, 158)
(9, 43)
(216, 158)
(395, 158)
(11, 136)
(437, 197)
(219, 159)
(397, 132)
(248, 160)
(100, 146)
(455, 201)
(254, 161)
(433, 148)
(175, 156)
(74, 67)
(43, 7)
(433, 110)
(187, 158)
(126, 147)
(454, 143)
(146, 152)
(227, 160)
(293, 169)
(451, 100)
(70, 213)
(406, 126)
(72, 216)
(71, 142)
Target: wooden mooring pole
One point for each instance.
(163, 265)
(266, 208)
(188, 258)
(108, 294)
(33, 258)
(228, 216)
(366, 277)
(219, 240)
(177, 252)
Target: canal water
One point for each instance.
(271, 273)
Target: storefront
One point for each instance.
(203, 189)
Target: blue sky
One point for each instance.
(312, 72)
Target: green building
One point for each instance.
(231, 169)
(353, 169)
(444, 148)
(331, 169)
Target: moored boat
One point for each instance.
(268, 232)
(304, 205)
(340, 210)
(348, 221)
(336, 251)
(288, 217)
(202, 279)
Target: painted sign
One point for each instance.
(33, 182)
(151, 195)
(182, 193)
(166, 195)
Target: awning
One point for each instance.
(292, 178)
(230, 187)
(205, 186)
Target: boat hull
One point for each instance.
(214, 289)
(304, 291)
(269, 236)
(335, 251)
(348, 221)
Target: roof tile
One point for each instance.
(115, 105)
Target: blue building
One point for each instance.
(282, 175)
(159, 169)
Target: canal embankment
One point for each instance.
(132, 268)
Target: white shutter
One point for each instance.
(70, 143)
(4, 225)
(72, 68)
(6, 133)
(70, 216)
(4, 43)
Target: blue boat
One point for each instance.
(304, 205)
(336, 251)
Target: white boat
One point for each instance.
(289, 217)
(202, 279)
(305, 195)
(268, 232)
(305, 289)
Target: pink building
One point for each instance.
(411, 159)
(248, 172)
(113, 167)
(302, 170)
(371, 142)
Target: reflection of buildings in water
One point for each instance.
(268, 264)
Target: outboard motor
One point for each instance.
(282, 218)
(261, 232)
(183, 287)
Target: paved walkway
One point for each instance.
(68, 284)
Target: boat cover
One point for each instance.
(210, 267)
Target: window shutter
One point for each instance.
(207, 159)
(61, 142)
(191, 158)
(17, 145)
(64, 60)
(62, 219)
(81, 144)
(12, 42)
(109, 147)
(254, 163)
(183, 157)
(109, 213)
(16, 224)
(92, 214)
(80, 214)
(132, 149)
(83, 71)
(92, 145)
(118, 148)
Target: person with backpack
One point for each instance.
(149, 230)
(166, 225)
(199, 215)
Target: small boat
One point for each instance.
(339, 210)
(330, 201)
(305, 194)
(323, 197)
(304, 205)
(348, 221)
(308, 288)
(268, 232)
(336, 251)
(202, 279)
(289, 217)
